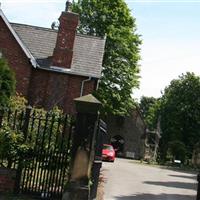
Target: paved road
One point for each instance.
(128, 180)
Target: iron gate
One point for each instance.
(42, 167)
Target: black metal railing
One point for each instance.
(42, 150)
(97, 163)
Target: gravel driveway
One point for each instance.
(128, 180)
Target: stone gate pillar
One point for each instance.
(87, 108)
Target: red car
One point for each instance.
(108, 153)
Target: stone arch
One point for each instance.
(117, 142)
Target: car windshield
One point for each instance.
(107, 147)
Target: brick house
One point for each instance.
(52, 67)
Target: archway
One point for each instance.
(118, 143)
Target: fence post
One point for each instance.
(20, 164)
(26, 121)
(198, 187)
(83, 148)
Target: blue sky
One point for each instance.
(170, 32)
(171, 39)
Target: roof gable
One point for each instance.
(26, 51)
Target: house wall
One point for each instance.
(49, 89)
(74, 90)
(16, 58)
(132, 129)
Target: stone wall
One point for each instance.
(196, 156)
(132, 130)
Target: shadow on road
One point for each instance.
(194, 177)
(156, 197)
(182, 185)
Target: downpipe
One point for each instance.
(83, 83)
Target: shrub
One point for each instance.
(11, 145)
(7, 83)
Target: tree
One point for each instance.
(112, 18)
(180, 113)
(177, 150)
(7, 83)
(149, 107)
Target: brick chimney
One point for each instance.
(63, 51)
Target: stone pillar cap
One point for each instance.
(87, 104)
(88, 98)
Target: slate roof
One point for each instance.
(87, 56)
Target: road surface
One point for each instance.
(129, 180)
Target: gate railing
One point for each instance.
(97, 163)
(41, 150)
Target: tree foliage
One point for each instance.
(7, 83)
(180, 113)
(120, 69)
(17, 102)
(149, 107)
(177, 150)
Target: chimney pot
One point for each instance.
(68, 6)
